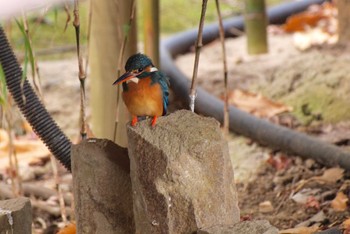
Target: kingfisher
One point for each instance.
(145, 89)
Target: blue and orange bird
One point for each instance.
(145, 89)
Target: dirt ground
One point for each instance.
(284, 189)
(270, 183)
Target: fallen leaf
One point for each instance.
(246, 217)
(26, 147)
(300, 22)
(302, 196)
(346, 224)
(330, 175)
(256, 104)
(69, 229)
(317, 218)
(265, 207)
(300, 230)
(279, 162)
(339, 203)
(316, 26)
(312, 202)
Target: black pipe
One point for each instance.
(31, 107)
(241, 122)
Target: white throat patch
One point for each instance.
(135, 80)
(154, 69)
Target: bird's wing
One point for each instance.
(164, 82)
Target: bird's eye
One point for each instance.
(140, 70)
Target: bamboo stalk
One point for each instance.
(343, 21)
(82, 74)
(224, 60)
(119, 126)
(88, 37)
(151, 29)
(109, 18)
(198, 47)
(255, 22)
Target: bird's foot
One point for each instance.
(154, 121)
(134, 121)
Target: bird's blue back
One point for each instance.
(163, 81)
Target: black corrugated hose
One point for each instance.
(262, 131)
(31, 107)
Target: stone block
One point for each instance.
(182, 176)
(16, 216)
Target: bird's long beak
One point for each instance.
(125, 77)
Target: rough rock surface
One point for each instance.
(15, 216)
(181, 174)
(102, 187)
(251, 227)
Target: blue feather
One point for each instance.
(163, 80)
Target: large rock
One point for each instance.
(181, 175)
(15, 216)
(102, 188)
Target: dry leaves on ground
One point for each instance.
(300, 230)
(27, 148)
(256, 104)
(316, 26)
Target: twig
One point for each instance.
(34, 64)
(59, 190)
(222, 39)
(198, 47)
(82, 74)
(66, 9)
(120, 61)
(16, 181)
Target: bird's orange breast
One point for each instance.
(144, 98)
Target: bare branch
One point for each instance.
(196, 60)
(222, 39)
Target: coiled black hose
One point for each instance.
(31, 107)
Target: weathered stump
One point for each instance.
(182, 177)
(102, 188)
(15, 216)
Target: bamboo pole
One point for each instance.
(255, 22)
(109, 18)
(343, 21)
(151, 29)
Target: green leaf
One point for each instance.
(126, 29)
(29, 56)
(3, 93)
(55, 11)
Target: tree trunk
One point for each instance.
(255, 22)
(109, 19)
(343, 20)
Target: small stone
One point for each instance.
(309, 163)
(265, 207)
